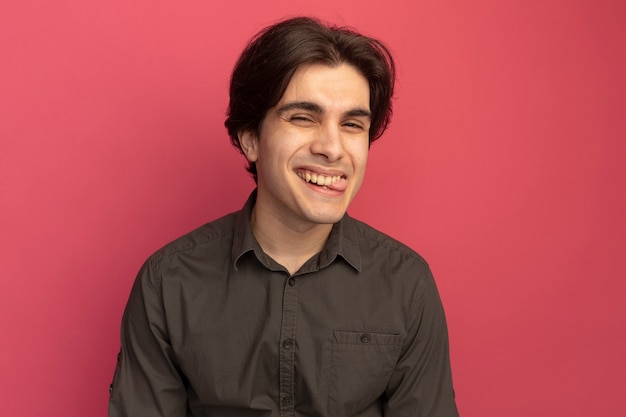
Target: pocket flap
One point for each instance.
(344, 337)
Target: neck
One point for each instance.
(288, 244)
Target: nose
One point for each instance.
(328, 143)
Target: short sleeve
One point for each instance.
(147, 381)
(421, 384)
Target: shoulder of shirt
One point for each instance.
(365, 232)
(217, 231)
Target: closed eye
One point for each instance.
(354, 127)
(301, 120)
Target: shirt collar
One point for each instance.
(341, 242)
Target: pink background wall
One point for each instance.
(504, 166)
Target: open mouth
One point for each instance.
(327, 182)
(319, 179)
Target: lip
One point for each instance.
(325, 191)
(322, 171)
(335, 187)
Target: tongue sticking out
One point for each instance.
(337, 186)
(334, 183)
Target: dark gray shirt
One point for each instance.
(215, 327)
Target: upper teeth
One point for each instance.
(318, 178)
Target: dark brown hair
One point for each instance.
(270, 59)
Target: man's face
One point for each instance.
(312, 148)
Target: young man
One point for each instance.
(289, 307)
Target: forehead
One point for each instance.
(331, 87)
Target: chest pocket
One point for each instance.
(361, 364)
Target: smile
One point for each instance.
(319, 179)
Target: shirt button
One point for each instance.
(365, 338)
(288, 343)
(287, 401)
(292, 281)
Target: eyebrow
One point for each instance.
(316, 108)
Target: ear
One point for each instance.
(249, 143)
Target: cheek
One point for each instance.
(273, 159)
(359, 155)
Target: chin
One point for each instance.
(326, 218)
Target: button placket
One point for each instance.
(287, 348)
